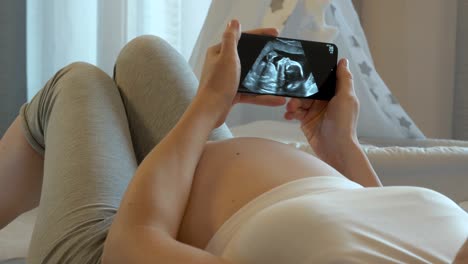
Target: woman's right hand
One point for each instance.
(330, 127)
(221, 75)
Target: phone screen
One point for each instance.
(287, 67)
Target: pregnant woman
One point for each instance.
(141, 169)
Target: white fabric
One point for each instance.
(218, 243)
(440, 165)
(60, 32)
(381, 116)
(333, 220)
(14, 238)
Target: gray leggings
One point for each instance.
(93, 132)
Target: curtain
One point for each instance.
(61, 32)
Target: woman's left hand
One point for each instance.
(221, 75)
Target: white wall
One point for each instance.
(413, 44)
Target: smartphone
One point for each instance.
(287, 67)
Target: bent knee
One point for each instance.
(144, 55)
(81, 66)
(78, 79)
(147, 42)
(81, 71)
(146, 45)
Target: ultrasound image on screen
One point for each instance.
(281, 68)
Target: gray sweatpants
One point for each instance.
(93, 132)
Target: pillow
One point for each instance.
(336, 21)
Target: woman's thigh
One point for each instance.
(78, 121)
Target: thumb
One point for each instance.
(344, 78)
(231, 37)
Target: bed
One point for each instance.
(441, 165)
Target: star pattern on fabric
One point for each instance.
(388, 115)
(376, 96)
(333, 9)
(404, 122)
(393, 99)
(276, 5)
(355, 42)
(365, 69)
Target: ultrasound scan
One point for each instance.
(281, 68)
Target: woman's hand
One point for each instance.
(221, 75)
(330, 127)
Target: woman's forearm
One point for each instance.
(158, 193)
(352, 162)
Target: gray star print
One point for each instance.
(374, 94)
(387, 114)
(276, 5)
(355, 42)
(365, 69)
(405, 123)
(393, 99)
(333, 9)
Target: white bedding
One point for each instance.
(436, 164)
(14, 239)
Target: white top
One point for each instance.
(333, 220)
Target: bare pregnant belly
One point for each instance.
(231, 173)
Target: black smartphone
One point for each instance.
(287, 67)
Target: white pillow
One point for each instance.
(381, 116)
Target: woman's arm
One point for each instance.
(352, 162)
(330, 128)
(147, 222)
(148, 219)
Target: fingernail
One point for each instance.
(346, 63)
(234, 23)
